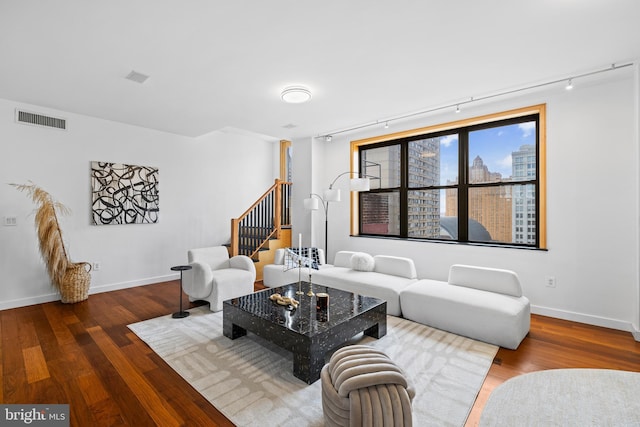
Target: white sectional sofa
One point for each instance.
(381, 276)
(480, 303)
(477, 302)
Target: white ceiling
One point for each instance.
(217, 65)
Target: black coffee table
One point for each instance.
(306, 332)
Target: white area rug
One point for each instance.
(566, 397)
(250, 380)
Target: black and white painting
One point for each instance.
(124, 194)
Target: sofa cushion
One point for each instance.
(277, 275)
(486, 279)
(361, 261)
(395, 266)
(366, 283)
(343, 259)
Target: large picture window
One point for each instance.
(473, 182)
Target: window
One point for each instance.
(476, 181)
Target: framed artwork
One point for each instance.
(124, 194)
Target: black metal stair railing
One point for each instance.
(262, 221)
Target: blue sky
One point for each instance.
(493, 145)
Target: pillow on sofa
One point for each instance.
(361, 261)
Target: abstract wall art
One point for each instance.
(124, 194)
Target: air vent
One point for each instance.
(34, 119)
(137, 77)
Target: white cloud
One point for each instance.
(505, 163)
(527, 128)
(448, 139)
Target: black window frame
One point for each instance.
(463, 185)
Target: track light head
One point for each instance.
(457, 108)
(328, 138)
(569, 85)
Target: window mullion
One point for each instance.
(404, 185)
(463, 186)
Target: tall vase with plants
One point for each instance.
(70, 279)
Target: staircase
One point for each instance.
(264, 227)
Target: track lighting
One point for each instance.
(386, 125)
(568, 86)
(328, 138)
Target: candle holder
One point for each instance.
(310, 293)
(299, 291)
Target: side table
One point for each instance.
(181, 313)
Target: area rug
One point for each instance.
(565, 397)
(251, 382)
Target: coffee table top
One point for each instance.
(305, 319)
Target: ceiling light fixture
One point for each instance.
(328, 138)
(295, 94)
(457, 108)
(386, 125)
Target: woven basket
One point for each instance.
(75, 283)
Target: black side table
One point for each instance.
(180, 314)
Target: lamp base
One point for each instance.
(180, 314)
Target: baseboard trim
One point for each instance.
(50, 297)
(588, 319)
(132, 283)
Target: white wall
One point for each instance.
(203, 183)
(308, 163)
(592, 198)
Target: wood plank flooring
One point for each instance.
(83, 354)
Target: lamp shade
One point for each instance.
(311, 204)
(360, 184)
(332, 195)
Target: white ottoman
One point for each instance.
(485, 304)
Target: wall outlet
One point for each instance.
(96, 266)
(550, 281)
(10, 221)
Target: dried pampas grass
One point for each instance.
(51, 244)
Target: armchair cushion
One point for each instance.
(216, 257)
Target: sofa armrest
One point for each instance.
(197, 282)
(243, 262)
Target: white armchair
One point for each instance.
(215, 277)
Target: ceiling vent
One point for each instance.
(34, 119)
(137, 77)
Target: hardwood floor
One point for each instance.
(83, 354)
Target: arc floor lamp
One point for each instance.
(359, 183)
